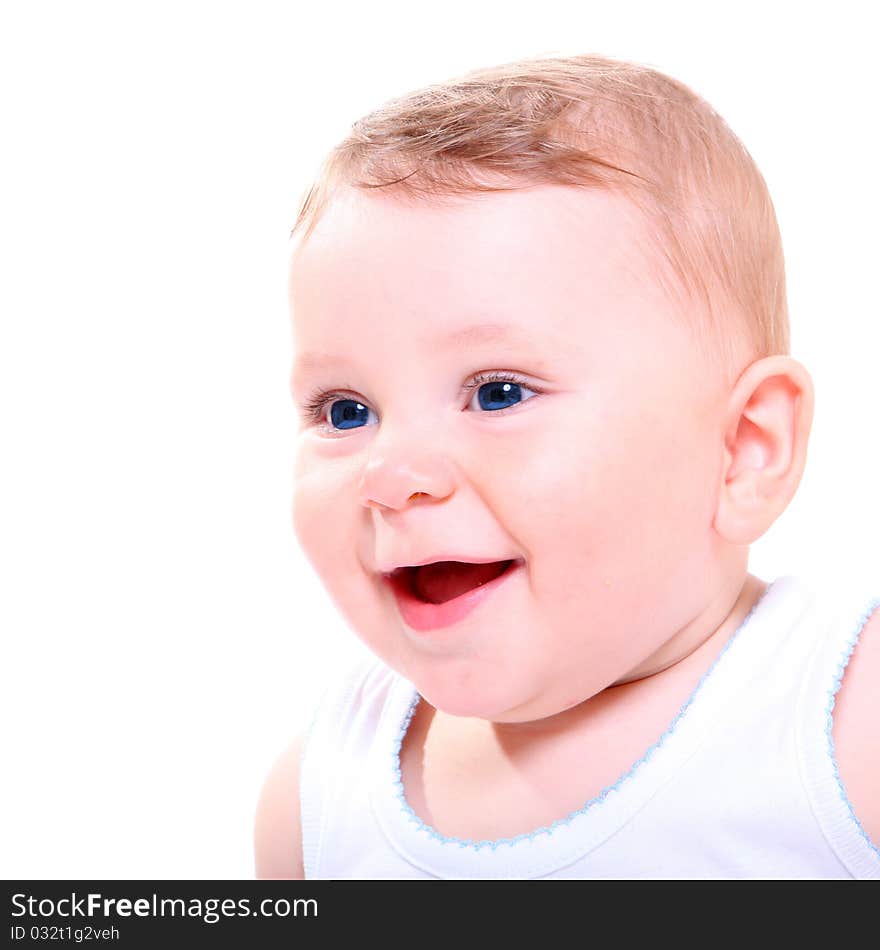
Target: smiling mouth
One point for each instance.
(443, 581)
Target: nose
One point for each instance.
(399, 475)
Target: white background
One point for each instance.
(162, 635)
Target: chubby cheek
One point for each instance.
(326, 517)
(617, 483)
(615, 515)
(322, 516)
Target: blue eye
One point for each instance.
(495, 393)
(348, 414)
(498, 391)
(499, 395)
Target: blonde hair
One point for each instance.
(592, 122)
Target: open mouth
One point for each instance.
(442, 581)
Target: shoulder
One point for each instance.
(277, 827)
(855, 728)
(349, 703)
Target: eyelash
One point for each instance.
(314, 406)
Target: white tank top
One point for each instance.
(743, 783)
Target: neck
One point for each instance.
(706, 633)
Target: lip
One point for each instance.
(424, 617)
(464, 558)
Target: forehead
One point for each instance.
(563, 264)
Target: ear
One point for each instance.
(766, 429)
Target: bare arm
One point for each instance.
(277, 828)
(855, 729)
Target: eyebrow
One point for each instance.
(479, 333)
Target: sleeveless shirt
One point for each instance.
(742, 784)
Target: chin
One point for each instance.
(472, 700)
(466, 700)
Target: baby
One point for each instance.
(546, 405)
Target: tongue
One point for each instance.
(444, 580)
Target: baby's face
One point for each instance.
(596, 461)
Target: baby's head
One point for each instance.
(539, 317)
